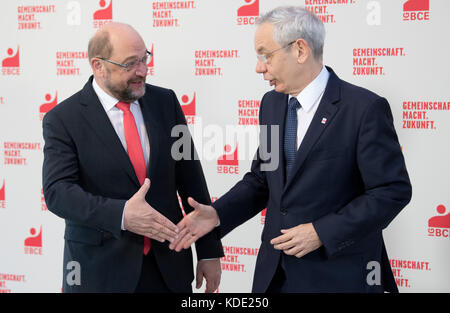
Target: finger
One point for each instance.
(209, 287)
(178, 239)
(301, 253)
(293, 251)
(285, 245)
(160, 236)
(214, 284)
(182, 224)
(181, 245)
(157, 237)
(143, 190)
(187, 241)
(182, 240)
(190, 241)
(166, 231)
(199, 280)
(164, 224)
(281, 239)
(194, 203)
(159, 230)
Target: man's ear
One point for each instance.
(302, 50)
(97, 67)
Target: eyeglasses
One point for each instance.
(264, 57)
(134, 63)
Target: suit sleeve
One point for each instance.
(387, 188)
(63, 195)
(248, 197)
(191, 182)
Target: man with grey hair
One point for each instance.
(341, 178)
(103, 145)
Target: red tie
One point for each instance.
(135, 152)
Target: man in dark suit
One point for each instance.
(103, 146)
(340, 179)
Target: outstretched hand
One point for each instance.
(141, 218)
(194, 225)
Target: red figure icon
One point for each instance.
(151, 63)
(11, 61)
(34, 240)
(229, 158)
(50, 104)
(2, 192)
(440, 221)
(416, 5)
(251, 9)
(188, 108)
(103, 14)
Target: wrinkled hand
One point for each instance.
(194, 225)
(142, 219)
(299, 240)
(211, 271)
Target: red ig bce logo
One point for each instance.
(416, 10)
(248, 13)
(439, 226)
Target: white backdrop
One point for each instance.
(203, 50)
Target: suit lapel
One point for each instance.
(279, 119)
(147, 104)
(322, 118)
(97, 118)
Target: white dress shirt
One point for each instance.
(309, 99)
(116, 117)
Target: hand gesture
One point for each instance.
(298, 240)
(194, 225)
(142, 219)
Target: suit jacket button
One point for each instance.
(283, 211)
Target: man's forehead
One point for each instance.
(264, 37)
(128, 46)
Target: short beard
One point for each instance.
(123, 95)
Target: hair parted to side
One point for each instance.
(293, 22)
(100, 46)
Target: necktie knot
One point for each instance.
(125, 107)
(293, 103)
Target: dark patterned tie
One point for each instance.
(290, 134)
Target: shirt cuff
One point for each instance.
(123, 214)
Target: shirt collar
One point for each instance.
(309, 96)
(108, 102)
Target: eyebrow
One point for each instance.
(130, 58)
(260, 50)
(133, 57)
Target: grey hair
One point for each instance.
(293, 22)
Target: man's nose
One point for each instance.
(141, 69)
(261, 67)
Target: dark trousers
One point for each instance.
(278, 283)
(151, 279)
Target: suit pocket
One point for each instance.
(83, 234)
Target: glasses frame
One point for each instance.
(131, 65)
(265, 57)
